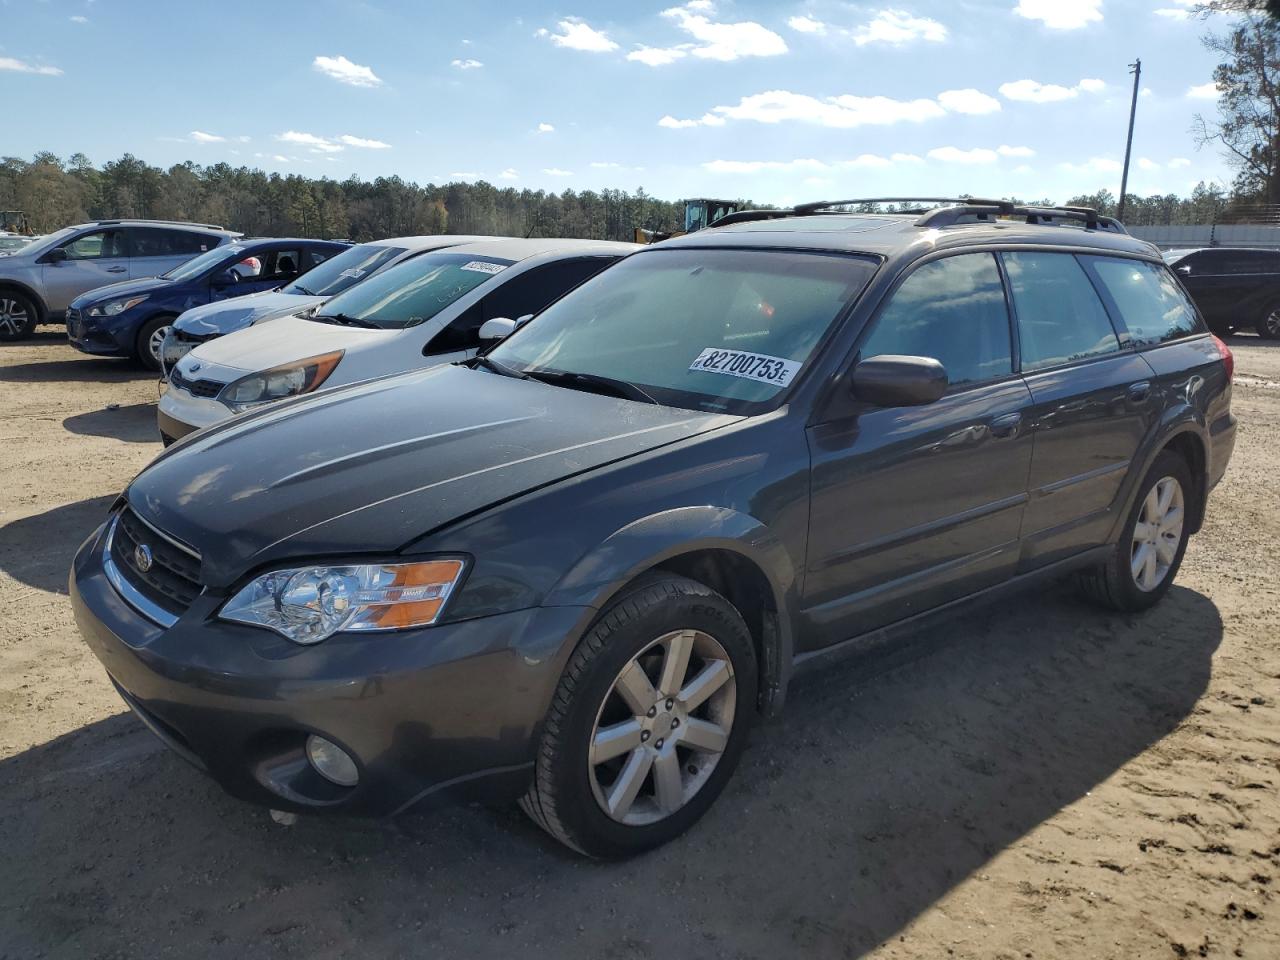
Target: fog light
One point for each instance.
(332, 762)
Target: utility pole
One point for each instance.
(1136, 69)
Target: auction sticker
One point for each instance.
(777, 371)
(479, 266)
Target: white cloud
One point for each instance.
(724, 41)
(1182, 10)
(509, 174)
(344, 71)
(1146, 164)
(1094, 165)
(367, 144)
(1061, 14)
(579, 35)
(1023, 169)
(21, 66)
(968, 101)
(897, 27)
(1204, 91)
(546, 128)
(776, 106)
(978, 155)
(466, 64)
(199, 136)
(1007, 151)
(309, 140)
(909, 158)
(466, 175)
(1178, 162)
(807, 25)
(79, 19)
(605, 165)
(557, 172)
(279, 158)
(657, 56)
(865, 161)
(1033, 91)
(706, 120)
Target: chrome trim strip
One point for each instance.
(189, 551)
(127, 591)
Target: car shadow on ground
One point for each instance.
(38, 550)
(135, 423)
(879, 789)
(76, 366)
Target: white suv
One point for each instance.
(38, 281)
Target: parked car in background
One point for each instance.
(133, 318)
(39, 281)
(203, 323)
(11, 242)
(577, 568)
(426, 311)
(1235, 288)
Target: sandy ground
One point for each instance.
(1040, 780)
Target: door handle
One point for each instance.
(116, 269)
(1138, 392)
(1006, 426)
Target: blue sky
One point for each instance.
(779, 102)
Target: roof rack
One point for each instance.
(944, 212)
(179, 223)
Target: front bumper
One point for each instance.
(101, 336)
(441, 711)
(179, 413)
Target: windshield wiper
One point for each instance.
(499, 368)
(303, 290)
(344, 320)
(593, 383)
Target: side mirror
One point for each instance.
(895, 381)
(523, 319)
(226, 278)
(56, 255)
(497, 328)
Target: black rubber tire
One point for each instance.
(1268, 325)
(1111, 584)
(140, 351)
(23, 330)
(560, 799)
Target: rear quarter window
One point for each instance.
(1146, 299)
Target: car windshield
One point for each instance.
(413, 292)
(198, 265)
(346, 269)
(724, 330)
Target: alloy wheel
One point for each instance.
(1157, 534)
(13, 316)
(662, 727)
(155, 343)
(1272, 322)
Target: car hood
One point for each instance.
(283, 341)
(367, 469)
(124, 288)
(227, 316)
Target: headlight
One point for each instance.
(308, 604)
(287, 380)
(111, 307)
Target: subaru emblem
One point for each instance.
(142, 557)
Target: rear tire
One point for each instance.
(18, 316)
(647, 723)
(1268, 325)
(151, 336)
(1146, 558)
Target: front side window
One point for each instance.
(98, 245)
(1150, 302)
(954, 311)
(699, 328)
(413, 292)
(344, 270)
(1060, 318)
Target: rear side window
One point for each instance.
(1060, 318)
(1150, 303)
(156, 242)
(954, 311)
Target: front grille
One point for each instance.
(183, 336)
(75, 323)
(173, 579)
(209, 389)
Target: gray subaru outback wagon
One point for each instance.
(574, 570)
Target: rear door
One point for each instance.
(1094, 402)
(94, 259)
(157, 250)
(912, 507)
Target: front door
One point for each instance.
(912, 507)
(94, 259)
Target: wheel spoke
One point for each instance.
(615, 740)
(1166, 549)
(625, 789)
(704, 736)
(1144, 531)
(709, 679)
(1139, 563)
(1149, 568)
(668, 787)
(675, 664)
(1166, 489)
(1151, 508)
(1172, 520)
(635, 689)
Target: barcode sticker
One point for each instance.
(777, 371)
(479, 266)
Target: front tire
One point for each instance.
(18, 316)
(1147, 556)
(647, 723)
(150, 340)
(1268, 325)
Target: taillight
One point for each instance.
(1228, 359)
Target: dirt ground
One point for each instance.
(1038, 780)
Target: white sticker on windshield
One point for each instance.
(354, 272)
(479, 266)
(776, 371)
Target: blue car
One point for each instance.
(132, 318)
